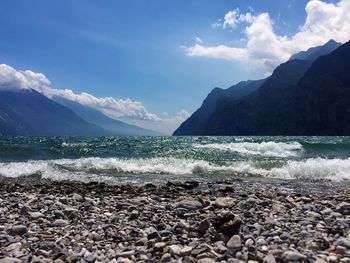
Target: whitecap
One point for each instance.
(267, 149)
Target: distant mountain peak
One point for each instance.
(314, 52)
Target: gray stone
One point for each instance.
(185, 251)
(60, 222)
(269, 259)
(134, 215)
(10, 260)
(175, 249)
(225, 202)
(36, 215)
(344, 208)
(206, 260)
(190, 204)
(313, 216)
(341, 250)
(125, 253)
(293, 256)
(203, 226)
(165, 258)
(18, 230)
(343, 242)
(154, 235)
(159, 246)
(234, 242)
(221, 246)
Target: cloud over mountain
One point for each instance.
(124, 109)
(266, 49)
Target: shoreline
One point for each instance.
(223, 221)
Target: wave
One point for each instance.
(314, 168)
(107, 169)
(268, 149)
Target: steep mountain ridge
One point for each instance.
(302, 97)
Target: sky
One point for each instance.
(152, 63)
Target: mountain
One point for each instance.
(196, 123)
(112, 126)
(326, 87)
(313, 53)
(27, 112)
(302, 97)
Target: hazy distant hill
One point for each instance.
(302, 97)
(112, 126)
(27, 112)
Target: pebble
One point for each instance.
(190, 204)
(185, 251)
(60, 222)
(18, 230)
(234, 242)
(293, 256)
(176, 222)
(225, 202)
(175, 249)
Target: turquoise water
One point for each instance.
(141, 159)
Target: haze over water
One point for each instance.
(154, 159)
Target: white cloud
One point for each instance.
(115, 108)
(198, 40)
(14, 79)
(216, 24)
(265, 49)
(167, 125)
(234, 17)
(123, 109)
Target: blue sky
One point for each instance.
(140, 49)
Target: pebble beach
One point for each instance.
(225, 221)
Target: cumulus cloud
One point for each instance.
(123, 109)
(233, 18)
(115, 108)
(266, 49)
(168, 124)
(11, 78)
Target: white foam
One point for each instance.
(268, 149)
(314, 168)
(71, 144)
(105, 169)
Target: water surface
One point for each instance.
(145, 159)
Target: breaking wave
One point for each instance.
(109, 169)
(268, 149)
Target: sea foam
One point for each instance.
(104, 169)
(268, 149)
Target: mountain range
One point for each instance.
(307, 95)
(27, 112)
